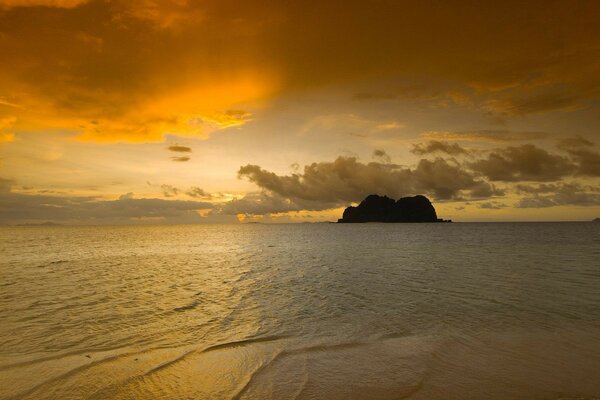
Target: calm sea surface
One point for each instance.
(306, 311)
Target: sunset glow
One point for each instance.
(297, 113)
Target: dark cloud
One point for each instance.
(539, 188)
(435, 146)
(574, 142)
(259, 203)
(195, 191)
(330, 184)
(483, 190)
(442, 178)
(584, 153)
(382, 155)
(180, 149)
(588, 161)
(20, 208)
(559, 195)
(523, 163)
(169, 190)
(492, 205)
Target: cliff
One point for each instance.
(376, 208)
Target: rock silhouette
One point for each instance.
(376, 208)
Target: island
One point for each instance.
(596, 220)
(375, 208)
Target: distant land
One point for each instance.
(596, 220)
(41, 224)
(375, 208)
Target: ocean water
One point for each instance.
(305, 311)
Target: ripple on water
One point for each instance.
(424, 311)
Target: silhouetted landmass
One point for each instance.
(41, 224)
(376, 208)
(596, 220)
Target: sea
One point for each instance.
(301, 311)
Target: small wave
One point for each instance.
(55, 357)
(169, 363)
(323, 347)
(246, 385)
(67, 374)
(190, 306)
(244, 342)
(101, 394)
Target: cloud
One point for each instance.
(129, 195)
(160, 14)
(180, 149)
(259, 203)
(195, 191)
(574, 142)
(169, 190)
(382, 155)
(434, 146)
(6, 137)
(228, 119)
(535, 103)
(41, 3)
(447, 179)
(539, 188)
(154, 67)
(349, 124)
(562, 194)
(118, 79)
(484, 136)
(583, 152)
(6, 126)
(492, 205)
(523, 163)
(588, 161)
(20, 208)
(331, 184)
(5, 185)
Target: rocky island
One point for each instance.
(376, 208)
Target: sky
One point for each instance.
(181, 111)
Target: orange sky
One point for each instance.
(131, 111)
